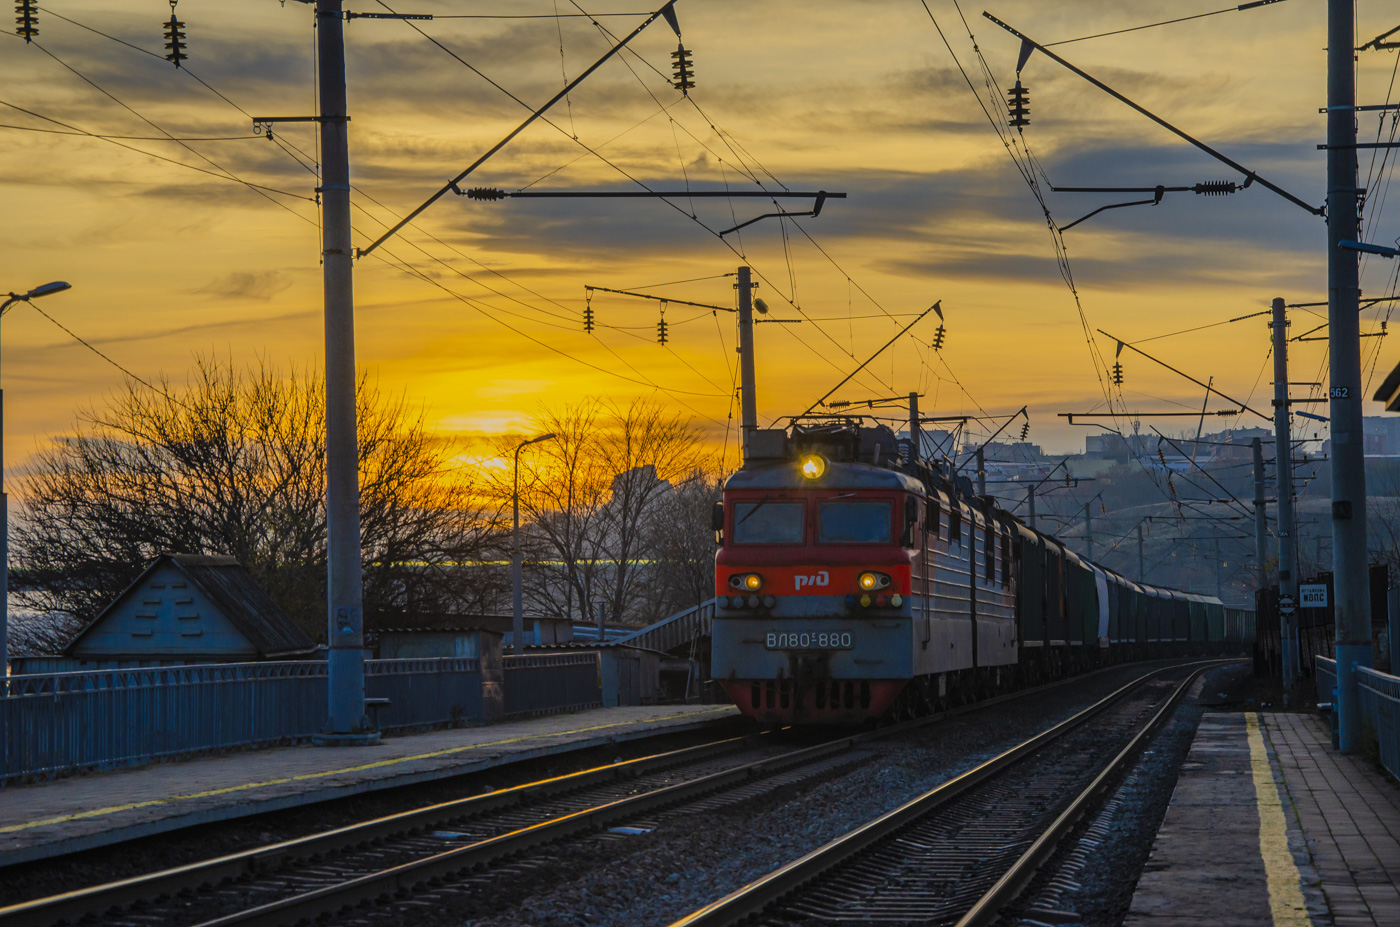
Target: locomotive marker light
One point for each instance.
(813, 466)
(870, 581)
(748, 581)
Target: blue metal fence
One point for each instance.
(1378, 696)
(427, 692)
(552, 682)
(64, 722)
(58, 722)
(1325, 672)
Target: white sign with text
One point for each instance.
(1314, 596)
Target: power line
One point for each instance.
(1167, 22)
(94, 349)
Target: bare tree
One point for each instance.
(680, 538)
(648, 450)
(563, 487)
(588, 497)
(233, 463)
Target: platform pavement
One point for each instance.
(47, 819)
(1269, 825)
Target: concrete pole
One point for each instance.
(4, 564)
(1392, 608)
(748, 401)
(1218, 587)
(1089, 527)
(602, 624)
(517, 594)
(915, 451)
(1030, 505)
(981, 472)
(1283, 468)
(1350, 586)
(1142, 569)
(345, 618)
(1261, 516)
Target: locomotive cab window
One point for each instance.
(933, 517)
(765, 522)
(854, 522)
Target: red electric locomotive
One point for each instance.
(844, 574)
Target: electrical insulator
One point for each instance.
(1216, 188)
(1117, 374)
(1018, 100)
(682, 75)
(938, 335)
(174, 39)
(26, 20)
(1025, 430)
(661, 332)
(588, 319)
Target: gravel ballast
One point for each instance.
(684, 863)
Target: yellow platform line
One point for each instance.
(209, 793)
(1284, 880)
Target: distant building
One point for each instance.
(185, 609)
(1382, 434)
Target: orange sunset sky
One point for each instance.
(843, 95)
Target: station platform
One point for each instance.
(1269, 825)
(60, 816)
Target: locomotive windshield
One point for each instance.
(853, 523)
(767, 522)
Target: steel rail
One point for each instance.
(406, 877)
(71, 906)
(753, 898)
(77, 903)
(988, 908)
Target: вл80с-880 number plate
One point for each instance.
(810, 640)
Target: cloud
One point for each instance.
(259, 285)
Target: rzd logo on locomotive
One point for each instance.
(820, 578)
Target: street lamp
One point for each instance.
(58, 286)
(517, 644)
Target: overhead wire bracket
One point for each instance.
(1246, 172)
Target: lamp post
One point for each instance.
(58, 286)
(517, 626)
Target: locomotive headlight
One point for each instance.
(749, 582)
(871, 581)
(813, 466)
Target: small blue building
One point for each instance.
(185, 609)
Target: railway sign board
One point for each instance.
(1313, 596)
(1286, 604)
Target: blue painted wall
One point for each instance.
(166, 616)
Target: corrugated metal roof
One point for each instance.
(245, 603)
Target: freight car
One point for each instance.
(852, 582)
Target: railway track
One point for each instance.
(324, 873)
(962, 852)
(408, 858)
